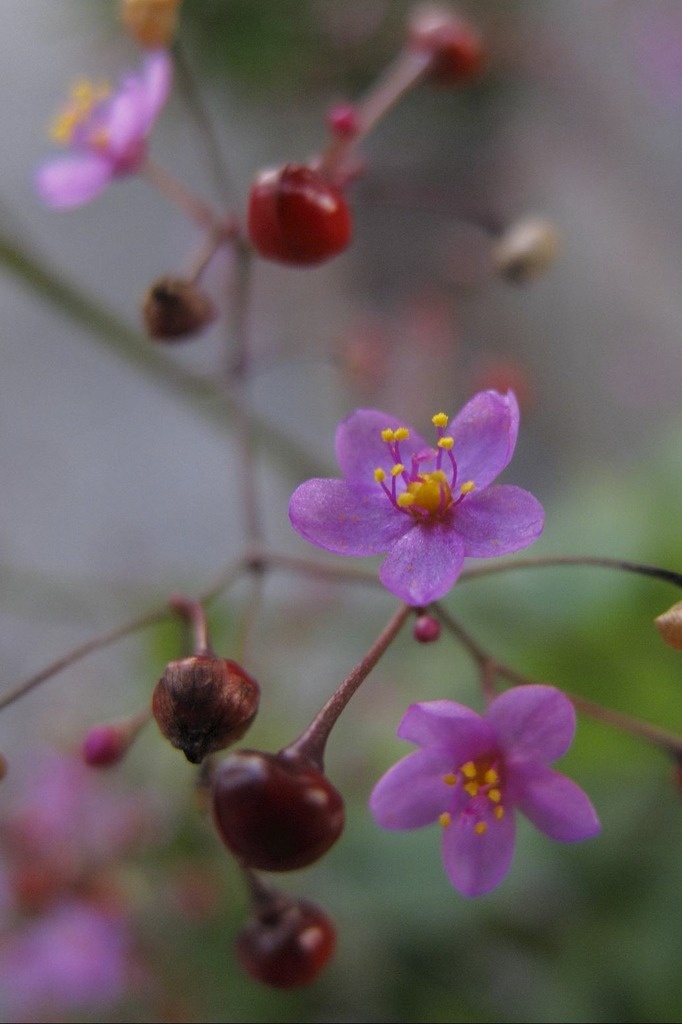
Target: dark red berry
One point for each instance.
(297, 217)
(426, 629)
(273, 812)
(288, 945)
(456, 49)
(204, 703)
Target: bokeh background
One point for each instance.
(118, 490)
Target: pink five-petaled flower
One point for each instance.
(472, 770)
(106, 132)
(429, 508)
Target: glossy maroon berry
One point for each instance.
(273, 812)
(426, 629)
(204, 703)
(297, 217)
(288, 945)
(456, 49)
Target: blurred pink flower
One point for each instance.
(106, 132)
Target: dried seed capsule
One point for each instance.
(174, 309)
(204, 703)
(287, 944)
(273, 812)
(297, 217)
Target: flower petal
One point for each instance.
(424, 563)
(360, 449)
(534, 723)
(329, 514)
(132, 110)
(445, 723)
(157, 77)
(476, 863)
(412, 793)
(72, 181)
(556, 805)
(484, 433)
(498, 520)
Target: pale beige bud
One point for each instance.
(526, 250)
(152, 23)
(669, 625)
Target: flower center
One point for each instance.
(76, 123)
(478, 788)
(423, 494)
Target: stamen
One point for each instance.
(480, 827)
(495, 795)
(499, 812)
(397, 469)
(444, 819)
(450, 779)
(468, 487)
(491, 777)
(379, 475)
(405, 499)
(387, 435)
(439, 420)
(472, 788)
(446, 442)
(469, 769)
(401, 434)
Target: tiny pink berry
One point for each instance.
(104, 745)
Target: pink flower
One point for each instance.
(429, 508)
(472, 771)
(106, 132)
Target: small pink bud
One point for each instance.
(426, 629)
(107, 744)
(342, 121)
(669, 625)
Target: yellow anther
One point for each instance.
(495, 795)
(472, 788)
(444, 819)
(397, 469)
(468, 487)
(499, 812)
(379, 475)
(445, 442)
(450, 779)
(480, 827)
(439, 420)
(438, 476)
(491, 777)
(405, 500)
(387, 435)
(469, 769)
(401, 434)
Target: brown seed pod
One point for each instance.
(174, 309)
(203, 704)
(669, 625)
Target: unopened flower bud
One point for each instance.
(526, 250)
(204, 703)
(274, 812)
(107, 744)
(669, 625)
(174, 309)
(297, 217)
(455, 48)
(426, 629)
(342, 121)
(286, 944)
(152, 23)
